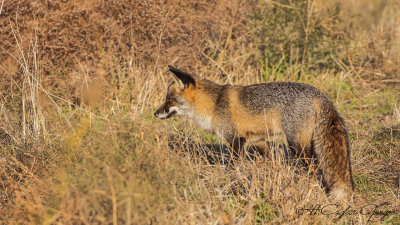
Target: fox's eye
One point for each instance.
(174, 99)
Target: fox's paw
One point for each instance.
(341, 194)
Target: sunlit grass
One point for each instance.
(79, 143)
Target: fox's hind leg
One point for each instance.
(261, 147)
(237, 145)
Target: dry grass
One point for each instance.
(79, 83)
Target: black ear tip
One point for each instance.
(175, 70)
(171, 67)
(183, 76)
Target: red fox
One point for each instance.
(244, 114)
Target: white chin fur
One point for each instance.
(177, 110)
(162, 115)
(165, 115)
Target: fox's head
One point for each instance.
(179, 101)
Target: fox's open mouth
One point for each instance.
(171, 114)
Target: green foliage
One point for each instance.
(264, 212)
(366, 185)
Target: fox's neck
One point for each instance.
(204, 104)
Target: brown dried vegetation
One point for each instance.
(79, 81)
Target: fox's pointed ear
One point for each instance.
(170, 85)
(186, 78)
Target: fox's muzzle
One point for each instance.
(164, 112)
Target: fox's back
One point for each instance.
(298, 104)
(287, 96)
(294, 101)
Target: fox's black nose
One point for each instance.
(155, 113)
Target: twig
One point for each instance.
(1, 7)
(84, 72)
(216, 63)
(160, 40)
(113, 195)
(356, 72)
(390, 81)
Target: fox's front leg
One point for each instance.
(237, 145)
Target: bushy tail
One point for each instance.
(331, 146)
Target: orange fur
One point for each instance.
(250, 125)
(305, 133)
